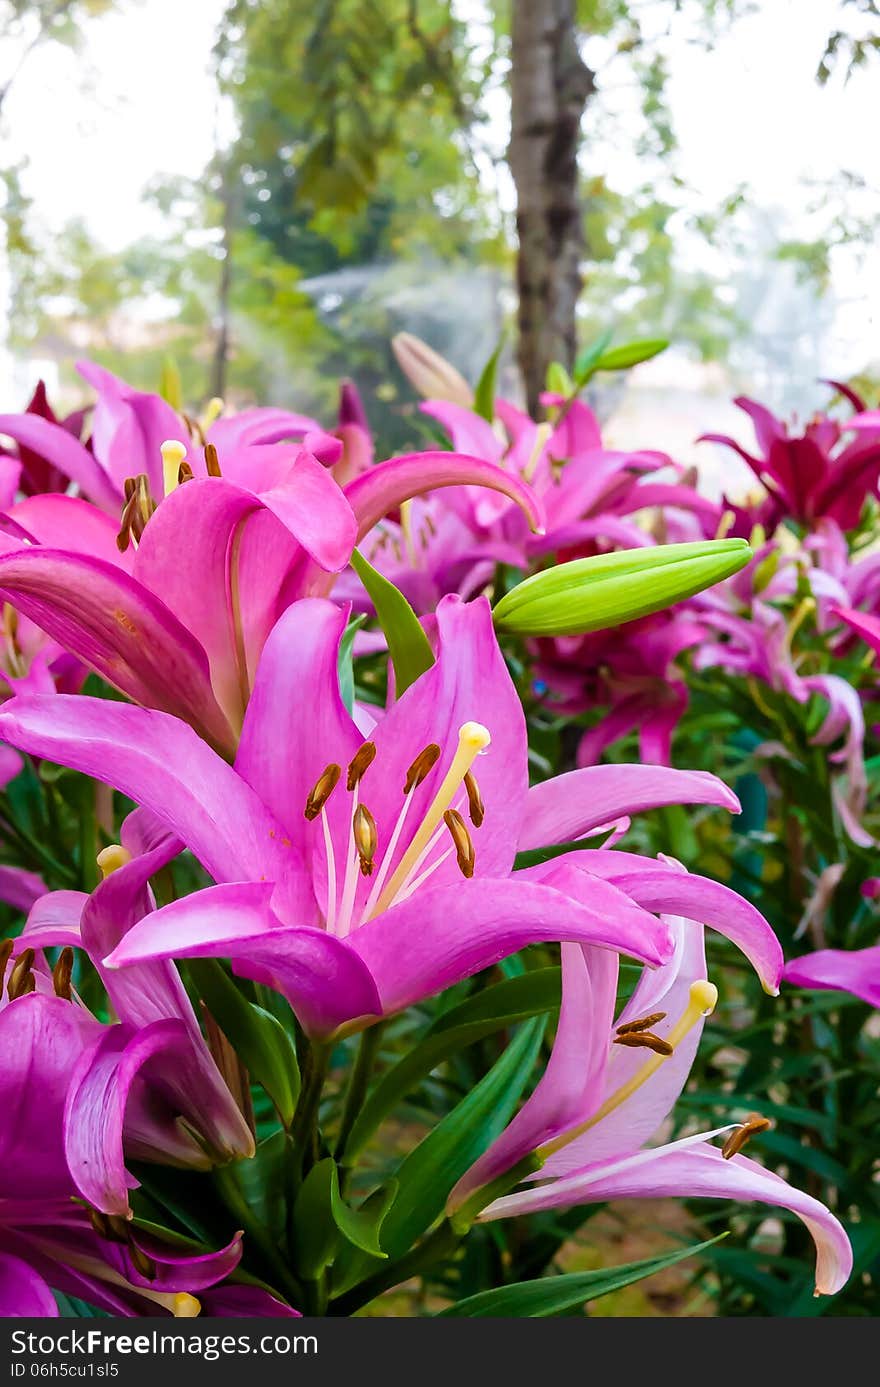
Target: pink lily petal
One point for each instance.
(696, 1169)
(97, 1117)
(839, 970)
(162, 763)
(445, 933)
(326, 983)
(62, 450)
(20, 888)
(119, 628)
(39, 1036)
(567, 807)
(573, 1082)
(129, 427)
(54, 920)
(380, 491)
(669, 890)
(316, 512)
(264, 425)
(69, 523)
(23, 1292)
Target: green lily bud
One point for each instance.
(610, 589)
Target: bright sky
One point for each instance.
(139, 101)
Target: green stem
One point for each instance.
(304, 1129)
(232, 1196)
(439, 1244)
(357, 1086)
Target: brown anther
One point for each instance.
(476, 807)
(100, 1223)
(644, 1040)
(323, 789)
(644, 1024)
(61, 973)
(6, 948)
(139, 506)
(184, 473)
(753, 1124)
(464, 848)
(212, 462)
(362, 759)
(421, 766)
(141, 1262)
(21, 979)
(366, 838)
(111, 1227)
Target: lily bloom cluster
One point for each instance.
(302, 866)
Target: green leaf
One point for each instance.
(484, 395)
(621, 358)
(559, 382)
(496, 1008)
(353, 1264)
(408, 646)
(346, 664)
(262, 1043)
(321, 1215)
(586, 361)
(428, 1173)
(555, 1295)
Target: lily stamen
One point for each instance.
(184, 473)
(645, 1040)
(476, 807)
(185, 1306)
(366, 838)
(322, 790)
(643, 1024)
(21, 979)
(753, 1124)
(421, 767)
(359, 764)
(62, 972)
(212, 461)
(6, 948)
(702, 999)
(464, 848)
(473, 738)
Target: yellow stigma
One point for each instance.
(185, 1306)
(112, 858)
(173, 454)
(702, 999)
(473, 738)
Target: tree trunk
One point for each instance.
(550, 86)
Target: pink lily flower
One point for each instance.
(610, 1085)
(810, 475)
(179, 623)
(358, 892)
(49, 1240)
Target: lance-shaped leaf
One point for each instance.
(610, 589)
(408, 645)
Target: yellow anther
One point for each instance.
(173, 454)
(112, 858)
(473, 738)
(185, 1306)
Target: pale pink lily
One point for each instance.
(839, 970)
(358, 893)
(610, 1086)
